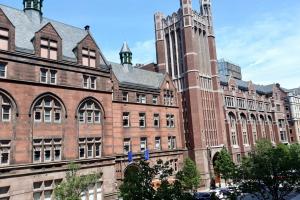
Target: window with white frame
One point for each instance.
(53, 77)
(49, 49)
(6, 109)
(93, 192)
(4, 39)
(254, 129)
(89, 82)
(157, 143)
(241, 103)
(170, 120)
(260, 106)
(47, 110)
(126, 119)
(47, 150)
(156, 120)
(143, 144)
(89, 147)
(251, 105)
(141, 98)
(168, 97)
(2, 70)
(89, 112)
(233, 132)
(154, 99)
(4, 152)
(126, 145)
(43, 190)
(172, 142)
(5, 193)
(230, 101)
(125, 96)
(142, 120)
(244, 130)
(88, 57)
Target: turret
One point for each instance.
(33, 5)
(205, 9)
(125, 55)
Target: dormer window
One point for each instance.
(88, 57)
(49, 49)
(4, 38)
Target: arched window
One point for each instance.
(89, 112)
(232, 120)
(6, 108)
(244, 129)
(48, 110)
(253, 125)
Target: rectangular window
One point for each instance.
(6, 113)
(156, 120)
(86, 81)
(88, 57)
(125, 96)
(170, 120)
(57, 117)
(154, 99)
(49, 49)
(238, 158)
(172, 142)
(89, 147)
(4, 39)
(89, 117)
(157, 143)
(142, 120)
(37, 154)
(47, 154)
(93, 83)
(229, 101)
(97, 117)
(141, 98)
(126, 119)
(4, 152)
(4, 193)
(53, 77)
(46, 150)
(143, 144)
(168, 98)
(47, 115)
(278, 108)
(2, 70)
(81, 116)
(126, 145)
(43, 75)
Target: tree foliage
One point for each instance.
(74, 185)
(138, 183)
(224, 165)
(189, 177)
(270, 172)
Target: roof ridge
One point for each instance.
(11, 7)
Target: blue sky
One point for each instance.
(263, 36)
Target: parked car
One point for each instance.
(202, 195)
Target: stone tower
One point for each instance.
(185, 46)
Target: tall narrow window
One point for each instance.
(172, 142)
(49, 49)
(88, 57)
(89, 82)
(142, 120)
(4, 152)
(5, 109)
(126, 119)
(126, 145)
(52, 77)
(43, 75)
(156, 120)
(141, 98)
(2, 70)
(4, 38)
(157, 143)
(143, 143)
(170, 120)
(125, 96)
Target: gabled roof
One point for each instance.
(244, 85)
(132, 76)
(26, 27)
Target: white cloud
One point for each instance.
(143, 52)
(267, 49)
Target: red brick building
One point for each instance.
(62, 101)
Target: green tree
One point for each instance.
(189, 177)
(74, 185)
(138, 183)
(271, 172)
(224, 165)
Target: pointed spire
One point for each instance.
(125, 54)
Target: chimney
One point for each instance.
(87, 28)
